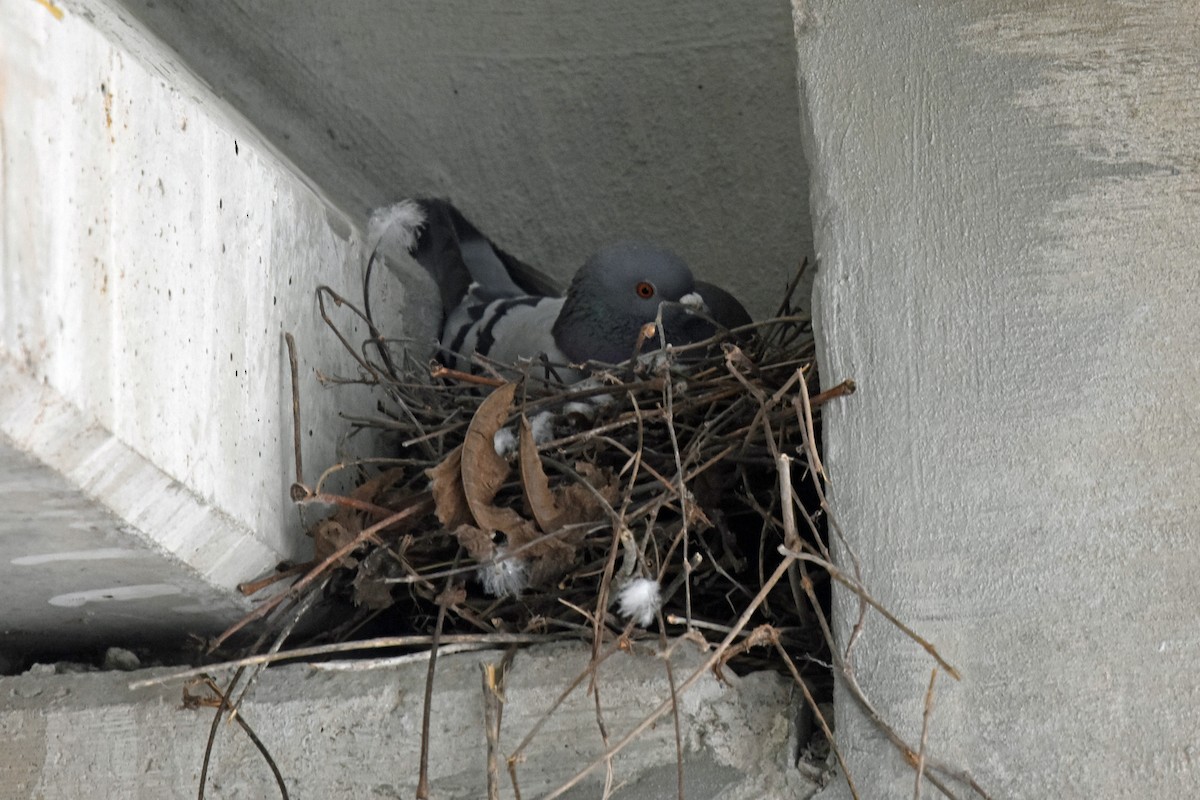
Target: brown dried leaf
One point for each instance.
(601, 478)
(697, 518)
(329, 536)
(535, 484)
(477, 543)
(483, 471)
(451, 596)
(369, 491)
(371, 591)
(552, 565)
(449, 500)
(577, 504)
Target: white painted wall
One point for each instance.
(1007, 207)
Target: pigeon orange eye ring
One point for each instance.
(645, 290)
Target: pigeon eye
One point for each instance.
(645, 290)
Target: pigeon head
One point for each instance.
(615, 293)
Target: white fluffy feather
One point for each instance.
(640, 600)
(504, 578)
(542, 426)
(399, 222)
(505, 442)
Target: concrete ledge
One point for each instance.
(357, 734)
(157, 513)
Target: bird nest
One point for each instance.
(508, 507)
(678, 495)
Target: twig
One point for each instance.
(419, 505)
(423, 775)
(295, 373)
(666, 705)
(843, 389)
(816, 710)
(222, 706)
(858, 589)
(924, 734)
(389, 662)
(350, 647)
(674, 708)
(590, 669)
(494, 677)
(440, 371)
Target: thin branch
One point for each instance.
(920, 767)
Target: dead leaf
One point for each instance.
(476, 542)
(451, 596)
(601, 479)
(552, 565)
(369, 491)
(535, 484)
(483, 471)
(341, 527)
(370, 586)
(329, 536)
(450, 503)
(579, 503)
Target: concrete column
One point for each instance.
(1006, 203)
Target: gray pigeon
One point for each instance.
(500, 308)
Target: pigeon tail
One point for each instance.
(460, 258)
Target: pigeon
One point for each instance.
(499, 307)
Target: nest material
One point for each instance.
(661, 494)
(665, 468)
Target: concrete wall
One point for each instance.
(1005, 203)
(557, 126)
(1007, 210)
(154, 251)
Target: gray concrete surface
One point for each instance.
(357, 734)
(154, 251)
(1007, 207)
(63, 596)
(556, 126)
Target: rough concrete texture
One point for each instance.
(1007, 208)
(556, 126)
(357, 734)
(154, 252)
(62, 594)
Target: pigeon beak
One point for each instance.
(693, 300)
